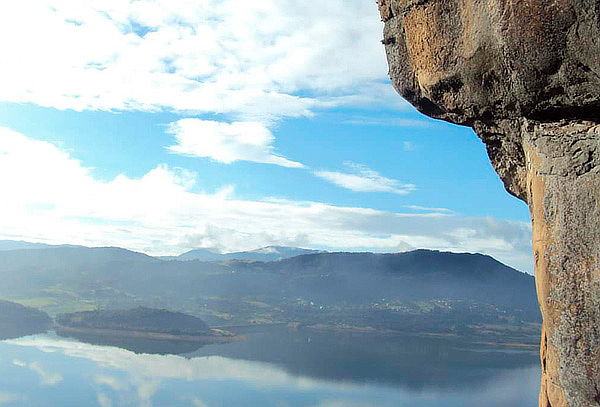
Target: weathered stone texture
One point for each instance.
(525, 74)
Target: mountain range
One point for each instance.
(268, 253)
(18, 244)
(418, 290)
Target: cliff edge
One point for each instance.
(525, 74)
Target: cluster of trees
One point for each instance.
(138, 319)
(17, 320)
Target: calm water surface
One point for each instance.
(275, 367)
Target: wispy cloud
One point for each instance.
(364, 179)
(9, 398)
(428, 209)
(227, 142)
(388, 121)
(47, 378)
(146, 390)
(408, 146)
(104, 400)
(58, 200)
(109, 381)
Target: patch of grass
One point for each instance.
(36, 302)
(54, 306)
(59, 291)
(258, 304)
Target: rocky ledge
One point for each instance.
(525, 74)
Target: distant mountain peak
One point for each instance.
(267, 253)
(267, 250)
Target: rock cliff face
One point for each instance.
(525, 74)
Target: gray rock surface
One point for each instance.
(525, 74)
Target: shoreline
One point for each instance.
(215, 337)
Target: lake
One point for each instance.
(275, 367)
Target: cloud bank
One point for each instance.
(55, 199)
(266, 59)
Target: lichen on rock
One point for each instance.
(525, 74)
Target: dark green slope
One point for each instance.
(426, 289)
(17, 320)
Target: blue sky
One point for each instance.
(144, 125)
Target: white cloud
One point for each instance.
(408, 146)
(109, 381)
(270, 59)
(55, 199)
(148, 370)
(146, 390)
(227, 142)
(104, 400)
(428, 209)
(364, 179)
(47, 378)
(9, 398)
(139, 369)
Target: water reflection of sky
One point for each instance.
(50, 371)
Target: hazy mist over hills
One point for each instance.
(418, 290)
(18, 244)
(268, 253)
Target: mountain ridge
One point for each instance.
(418, 290)
(267, 253)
